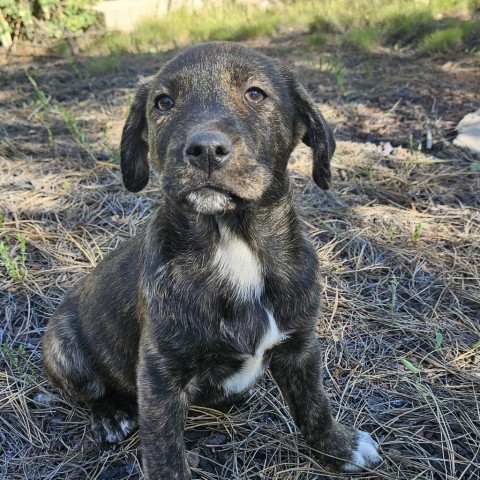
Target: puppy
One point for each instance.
(222, 282)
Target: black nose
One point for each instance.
(208, 151)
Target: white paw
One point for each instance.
(365, 456)
(127, 425)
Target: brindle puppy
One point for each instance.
(222, 282)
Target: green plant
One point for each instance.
(322, 24)
(442, 41)
(12, 354)
(367, 70)
(14, 262)
(363, 39)
(100, 64)
(43, 105)
(77, 132)
(335, 66)
(411, 144)
(41, 97)
(47, 18)
(316, 39)
(367, 168)
(410, 366)
(417, 230)
(392, 231)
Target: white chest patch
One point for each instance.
(253, 366)
(235, 261)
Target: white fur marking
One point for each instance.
(366, 454)
(253, 366)
(237, 263)
(208, 203)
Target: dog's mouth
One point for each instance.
(211, 199)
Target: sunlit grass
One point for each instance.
(442, 41)
(363, 39)
(358, 24)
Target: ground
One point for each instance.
(398, 239)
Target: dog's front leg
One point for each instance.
(297, 371)
(163, 408)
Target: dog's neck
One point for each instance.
(258, 255)
(261, 226)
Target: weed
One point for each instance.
(324, 25)
(100, 64)
(14, 262)
(77, 132)
(392, 232)
(367, 70)
(43, 103)
(12, 354)
(114, 43)
(367, 169)
(417, 230)
(363, 39)
(442, 41)
(405, 28)
(42, 99)
(338, 70)
(316, 39)
(410, 366)
(411, 144)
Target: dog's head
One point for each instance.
(219, 122)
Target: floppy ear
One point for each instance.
(317, 136)
(134, 146)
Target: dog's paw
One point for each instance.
(112, 426)
(365, 454)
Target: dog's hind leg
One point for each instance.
(66, 361)
(70, 367)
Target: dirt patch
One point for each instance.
(398, 239)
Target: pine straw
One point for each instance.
(399, 244)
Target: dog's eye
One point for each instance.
(164, 102)
(255, 95)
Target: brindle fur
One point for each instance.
(157, 324)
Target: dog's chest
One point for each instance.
(254, 365)
(236, 264)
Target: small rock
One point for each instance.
(44, 398)
(103, 155)
(216, 439)
(387, 148)
(429, 140)
(193, 457)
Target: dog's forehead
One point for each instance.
(221, 63)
